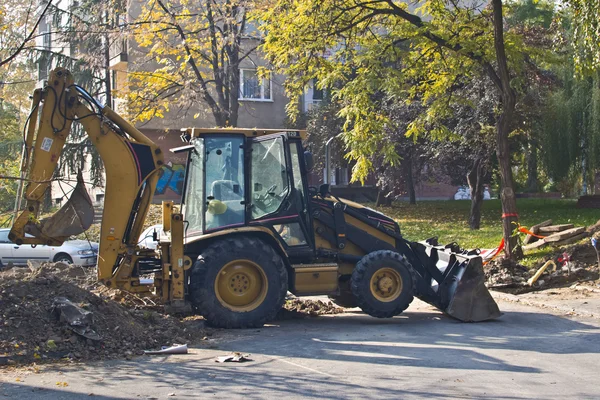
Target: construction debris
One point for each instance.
(300, 308)
(54, 312)
(79, 320)
(535, 230)
(175, 349)
(234, 357)
(555, 235)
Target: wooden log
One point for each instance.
(535, 229)
(557, 237)
(535, 245)
(594, 228)
(571, 240)
(555, 228)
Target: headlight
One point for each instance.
(86, 252)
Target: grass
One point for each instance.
(448, 220)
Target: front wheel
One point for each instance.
(64, 258)
(239, 282)
(382, 284)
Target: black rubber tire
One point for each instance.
(361, 278)
(64, 257)
(209, 263)
(345, 299)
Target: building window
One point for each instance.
(313, 96)
(317, 94)
(253, 87)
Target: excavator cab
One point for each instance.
(248, 180)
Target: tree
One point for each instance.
(469, 157)
(586, 24)
(90, 28)
(413, 152)
(360, 43)
(19, 22)
(571, 129)
(194, 51)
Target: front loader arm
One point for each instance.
(131, 161)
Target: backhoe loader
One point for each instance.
(248, 229)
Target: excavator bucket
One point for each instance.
(75, 217)
(458, 288)
(466, 295)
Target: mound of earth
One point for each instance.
(574, 263)
(31, 329)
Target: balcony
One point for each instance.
(118, 55)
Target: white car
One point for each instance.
(147, 237)
(80, 252)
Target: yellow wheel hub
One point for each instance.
(241, 285)
(386, 284)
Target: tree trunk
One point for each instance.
(475, 180)
(532, 167)
(510, 217)
(107, 80)
(410, 182)
(381, 196)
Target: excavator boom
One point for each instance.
(131, 161)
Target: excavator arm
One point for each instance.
(132, 163)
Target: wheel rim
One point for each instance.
(241, 285)
(386, 284)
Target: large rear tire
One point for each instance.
(238, 282)
(382, 284)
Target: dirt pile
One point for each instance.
(500, 274)
(32, 329)
(575, 263)
(301, 308)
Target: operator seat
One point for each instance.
(230, 193)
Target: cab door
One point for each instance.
(277, 194)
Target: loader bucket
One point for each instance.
(75, 217)
(464, 294)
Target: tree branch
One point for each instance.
(28, 38)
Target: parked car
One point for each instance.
(80, 252)
(147, 237)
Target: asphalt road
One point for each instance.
(527, 353)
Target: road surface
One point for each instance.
(527, 353)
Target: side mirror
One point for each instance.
(324, 189)
(309, 162)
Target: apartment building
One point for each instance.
(262, 102)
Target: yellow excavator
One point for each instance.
(248, 229)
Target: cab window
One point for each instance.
(269, 178)
(224, 166)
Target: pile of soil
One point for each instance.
(301, 308)
(31, 331)
(500, 274)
